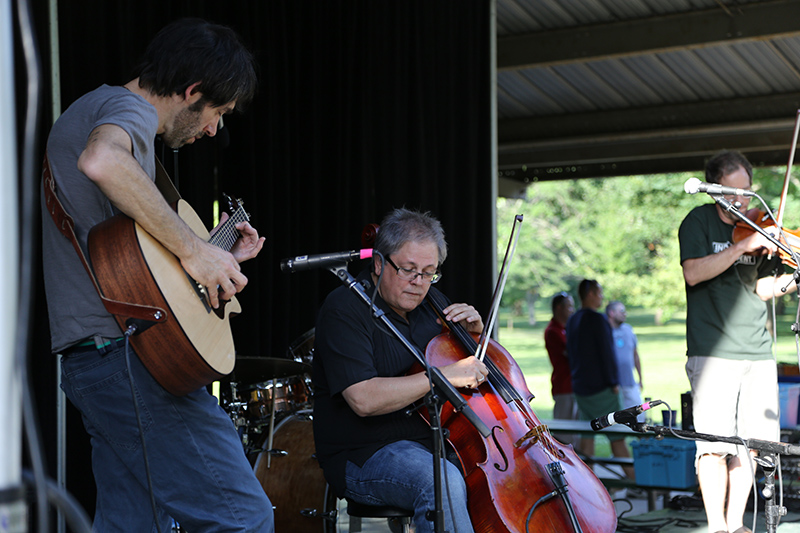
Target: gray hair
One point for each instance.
(613, 304)
(404, 225)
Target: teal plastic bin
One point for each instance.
(664, 463)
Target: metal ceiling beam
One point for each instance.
(646, 140)
(668, 150)
(680, 163)
(696, 114)
(695, 29)
(657, 144)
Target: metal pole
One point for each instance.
(61, 401)
(12, 495)
(493, 136)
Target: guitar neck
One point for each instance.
(227, 234)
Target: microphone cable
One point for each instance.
(128, 333)
(27, 224)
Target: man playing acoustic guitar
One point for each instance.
(102, 158)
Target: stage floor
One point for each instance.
(694, 521)
(635, 520)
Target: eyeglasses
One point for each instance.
(732, 197)
(409, 274)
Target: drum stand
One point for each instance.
(439, 384)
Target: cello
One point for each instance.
(519, 478)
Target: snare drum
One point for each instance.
(290, 395)
(294, 481)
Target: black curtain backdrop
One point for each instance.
(363, 106)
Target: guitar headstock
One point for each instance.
(235, 208)
(231, 204)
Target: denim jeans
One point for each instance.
(200, 474)
(401, 474)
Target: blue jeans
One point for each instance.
(401, 474)
(200, 474)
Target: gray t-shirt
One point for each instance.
(75, 310)
(624, 345)
(725, 317)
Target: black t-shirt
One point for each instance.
(725, 317)
(351, 346)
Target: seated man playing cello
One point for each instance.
(369, 449)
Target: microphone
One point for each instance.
(625, 416)
(310, 262)
(694, 186)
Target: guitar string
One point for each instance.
(226, 237)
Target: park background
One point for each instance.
(624, 233)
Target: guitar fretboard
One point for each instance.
(227, 234)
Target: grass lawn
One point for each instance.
(662, 350)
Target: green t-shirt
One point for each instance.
(725, 317)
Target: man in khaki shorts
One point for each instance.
(730, 364)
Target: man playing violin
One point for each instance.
(370, 450)
(730, 364)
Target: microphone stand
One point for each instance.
(432, 400)
(767, 452)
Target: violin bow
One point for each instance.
(483, 340)
(782, 204)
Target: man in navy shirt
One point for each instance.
(590, 348)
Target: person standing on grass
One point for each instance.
(627, 355)
(555, 342)
(595, 381)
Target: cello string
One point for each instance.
(496, 377)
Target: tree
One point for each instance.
(621, 231)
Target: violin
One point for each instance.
(790, 238)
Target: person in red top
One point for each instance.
(555, 341)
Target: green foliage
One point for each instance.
(621, 231)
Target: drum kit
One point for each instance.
(270, 402)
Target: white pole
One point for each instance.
(12, 496)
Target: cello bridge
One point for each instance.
(540, 433)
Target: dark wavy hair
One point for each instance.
(193, 50)
(586, 286)
(558, 300)
(726, 162)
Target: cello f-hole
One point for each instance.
(504, 467)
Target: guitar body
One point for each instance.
(194, 345)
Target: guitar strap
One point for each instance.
(66, 226)
(165, 185)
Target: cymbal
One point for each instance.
(250, 370)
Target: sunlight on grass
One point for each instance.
(662, 350)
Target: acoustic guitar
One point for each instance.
(194, 345)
